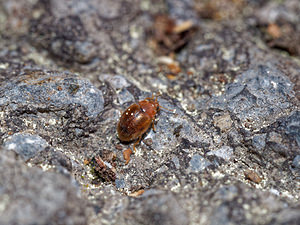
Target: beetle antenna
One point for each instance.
(171, 110)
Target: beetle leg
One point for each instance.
(153, 127)
(138, 141)
(152, 98)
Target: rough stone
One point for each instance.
(155, 207)
(296, 162)
(31, 196)
(232, 96)
(198, 163)
(252, 96)
(26, 145)
(259, 141)
(224, 152)
(51, 90)
(223, 121)
(293, 126)
(280, 25)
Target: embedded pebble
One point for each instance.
(251, 98)
(52, 90)
(198, 163)
(293, 126)
(26, 145)
(259, 141)
(296, 162)
(224, 122)
(31, 196)
(117, 81)
(225, 152)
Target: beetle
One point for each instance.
(137, 119)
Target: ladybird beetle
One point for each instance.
(137, 119)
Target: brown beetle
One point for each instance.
(137, 119)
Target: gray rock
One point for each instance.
(175, 9)
(71, 45)
(296, 162)
(31, 196)
(53, 158)
(51, 90)
(66, 30)
(220, 216)
(224, 152)
(220, 97)
(253, 96)
(198, 163)
(286, 17)
(230, 204)
(227, 193)
(125, 96)
(120, 183)
(259, 141)
(176, 162)
(155, 208)
(117, 82)
(272, 13)
(288, 216)
(293, 126)
(224, 122)
(26, 145)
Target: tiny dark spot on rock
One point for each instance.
(177, 130)
(73, 88)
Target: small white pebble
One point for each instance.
(92, 90)
(29, 141)
(12, 146)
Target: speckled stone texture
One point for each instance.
(226, 145)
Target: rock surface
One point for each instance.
(226, 144)
(32, 196)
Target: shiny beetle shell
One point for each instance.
(137, 119)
